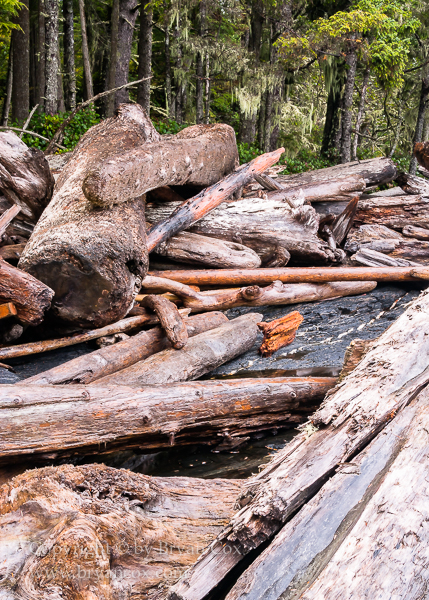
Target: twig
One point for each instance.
(7, 217)
(27, 122)
(82, 105)
(33, 133)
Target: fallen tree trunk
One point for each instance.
(96, 532)
(31, 297)
(183, 215)
(290, 275)
(108, 360)
(46, 345)
(367, 508)
(202, 353)
(394, 371)
(395, 212)
(65, 420)
(191, 248)
(276, 293)
(269, 227)
(25, 177)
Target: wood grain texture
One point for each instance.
(279, 333)
(110, 359)
(7, 310)
(169, 318)
(395, 212)
(390, 375)
(49, 421)
(95, 532)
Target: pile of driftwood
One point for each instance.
(74, 267)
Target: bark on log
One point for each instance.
(371, 506)
(97, 532)
(411, 184)
(279, 333)
(374, 171)
(110, 359)
(46, 345)
(12, 252)
(419, 233)
(169, 318)
(195, 208)
(191, 248)
(42, 421)
(202, 353)
(365, 234)
(200, 156)
(421, 152)
(269, 227)
(30, 296)
(340, 190)
(26, 179)
(7, 217)
(293, 275)
(394, 371)
(396, 212)
(276, 293)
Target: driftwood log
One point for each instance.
(31, 297)
(93, 252)
(50, 421)
(290, 275)
(279, 333)
(374, 258)
(402, 253)
(25, 177)
(95, 532)
(411, 184)
(203, 353)
(103, 362)
(419, 233)
(396, 212)
(394, 371)
(269, 227)
(276, 293)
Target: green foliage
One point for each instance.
(169, 126)
(247, 152)
(8, 9)
(305, 160)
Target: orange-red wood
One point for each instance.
(279, 333)
(7, 310)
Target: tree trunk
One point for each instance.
(178, 75)
(68, 420)
(61, 103)
(424, 93)
(8, 96)
(395, 370)
(145, 57)
(20, 41)
(52, 64)
(332, 118)
(168, 93)
(200, 64)
(69, 66)
(111, 359)
(113, 59)
(85, 52)
(346, 119)
(106, 533)
(207, 91)
(41, 56)
(128, 11)
(361, 112)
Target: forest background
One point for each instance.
(331, 80)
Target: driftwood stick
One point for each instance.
(279, 333)
(230, 277)
(195, 208)
(69, 419)
(27, 122)
(169, 318)
(108, 360)
(46, 345)
(32, 133)
(7, 217)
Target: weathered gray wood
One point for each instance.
(269, 227)
(419, 233)
(169, 318)
(381, 253)
(25, 177)
(396, 212)
(49, 421)
(95, 532)
(110, 359)
(411, 184)
(390, 375)
(203, 353)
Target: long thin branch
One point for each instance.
(27, 122)
(33, 133)
(82, 105)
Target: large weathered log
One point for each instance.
(276, 293)
(374, 171)
(107, 360)
(394, 371)
(30, 296)
(269, 227)
(64, 420)
(46, 345)
(371, 257)
(370, 507)
(95, 532)
(396, 212)
(183, 215)
(401, 253)
(411, 184)
(25, 177)
(200, 156)
(191, 248)
(202, 353)
(290, 275)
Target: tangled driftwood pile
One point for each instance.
(74, 267)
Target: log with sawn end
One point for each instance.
(65, 420)
(110, 359)
(203, 353)
(394, 371)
